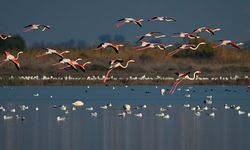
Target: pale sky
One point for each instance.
(87, 19)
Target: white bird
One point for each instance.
(123, 114)
(104, 107)
(166, 116)
(59, 119)
(5, 117)
(226, 106)
(160, 115)
(163, 92)
(163, 109)
(11, 58)
(89, 108)
(151, 34)
(197, 113)
(93, 114)
(138, 115)
(186, 105)
(36, 94)
(211, 114)
(248, 114)
(241, 112)
(127, 108)
(78, 103)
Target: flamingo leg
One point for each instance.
(28, 29)
(65, 67)
(119, 24)
(143, 48)
(3, 62)
(106, 77)
(171, 92)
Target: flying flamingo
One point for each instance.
(185, 35)
(205, 29)
(52, 51)
(152, 34)
(162, 18)
(181, 77)
(228, 42)
(76, 64)
(184, 47)
(36, 27)
(115, 64)
(148, 45)
(12, 58)
(66, 61)
(4, 36)
(129, 20)
(105, 45)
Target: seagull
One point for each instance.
(181, 77)
(228, 42)
(129, 20)
(115, 64)
(162, 18)
(31, 27)
(4, 36)
(186, 46)
(106, 44)
(13, 59)
(151, 34)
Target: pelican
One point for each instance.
(181, 77)
(151, 34)
(162, 18)
(115, 64)
(78, 103)
(129, 20)
(228, 42)
(186, 46)
(4, 36)
(31, 27)
(52, 51)
(13, 59)
(105, 45)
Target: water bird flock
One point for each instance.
(73, 64)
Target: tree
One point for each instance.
(15, 42)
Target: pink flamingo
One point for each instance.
(31, 27)
(13, 59)
(129, 20)
(4, 36)
(115, 64)
(184, 47)
(105, 45)
(228, 42)
(181, 77)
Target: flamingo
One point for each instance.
(228, 42)
(52, 51)
(4, 36)
(205, 29)
(162, 18)
(185, 35)
(129, 20)
(13, 59)
(105, 45)
(186, 46)
(76, 64)
(36, 27)
(153, 45)
(115, 64)
(181, 77)
(67, 61)
(152, 34)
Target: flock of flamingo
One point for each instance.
(75, 65)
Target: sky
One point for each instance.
(86, 20)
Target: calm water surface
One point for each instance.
(185, 131)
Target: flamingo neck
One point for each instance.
(17, 56)
(197, 46)
(126, 64)
(194, 76)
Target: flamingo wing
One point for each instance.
(234, 45)
(81, 67)
(72, 66)
(115, 48)
(16, 63)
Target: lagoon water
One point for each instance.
(182, 131)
